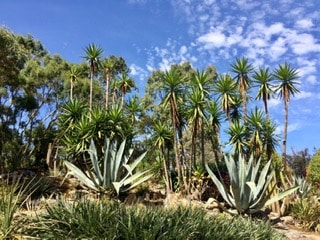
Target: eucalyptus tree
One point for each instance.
(226, 88)
(112, 66)
(286, 77)
(92, 55)
(263, 80)
(109, 65)
(243, 68)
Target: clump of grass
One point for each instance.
(306, 212)
(12, 197)
(100, 220)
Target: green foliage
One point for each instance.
(306, 212)
(247, 192)
(304, 187)
(100, 220)
(12, 197)
(108, 170)
(313, 174)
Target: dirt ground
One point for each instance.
(294, 233)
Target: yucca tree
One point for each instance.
(172, 90)
(125, 84)
(134, 109)
(118, 125)
(92, 55)
(270, 139)
(226, 88)
(235, 109)
(255, 130)
(263, 79)
(243, 68)
(238, 138)
(196, 117)
(162, 139)
(286, 75)
(201, 88)
(74, 74)
(214, 119)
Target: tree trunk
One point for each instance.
(166, 174)
(202, 146)
(285, 131)
(91, 85)
(107, 87)
(175, 142)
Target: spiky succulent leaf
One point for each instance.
(95, 162)
(77, 172)
(220, 185)
(248, 187)
(281, 195)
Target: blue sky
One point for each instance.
(153, 34)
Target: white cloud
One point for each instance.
(312, 80)
(291, 128)
(183, 50)
(278, 48)
(304, 23)
(274, 102)
(138, 71)
(303, 43)
(307, 67)
(213, 39)
(302, 95)
(218, 39)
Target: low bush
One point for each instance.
(100, 220)
(307, 212)
(313, 170)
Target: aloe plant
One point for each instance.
(247, 192)
(112, 170)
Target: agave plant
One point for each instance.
(111, 171)
(304, 187)
(247, 192)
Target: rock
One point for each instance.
(211, 204)
(287, 220)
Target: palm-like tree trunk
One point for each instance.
(285, 131)
(166, 173)
(91, 84)
(175, 140)
(202, 146)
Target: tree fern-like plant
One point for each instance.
(112, 170)
(247, 192)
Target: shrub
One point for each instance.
(307, 213)
(110, 220)
(313, 172)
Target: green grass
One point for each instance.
(109, 220)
